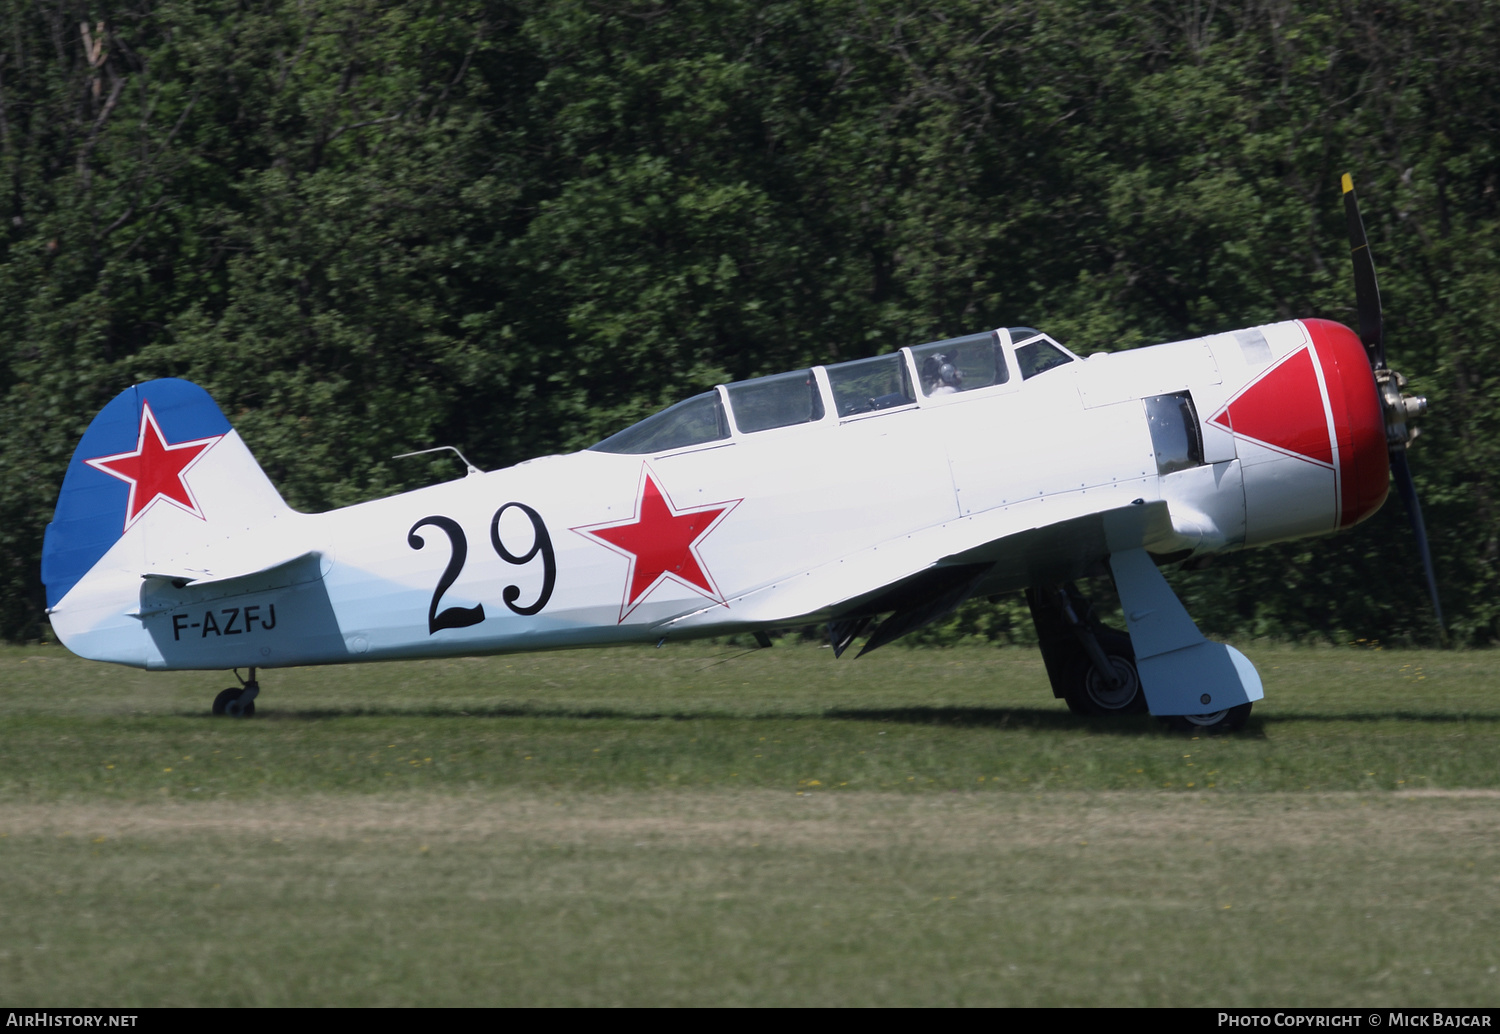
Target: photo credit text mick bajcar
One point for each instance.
(1360, 1018)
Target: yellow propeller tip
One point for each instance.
(1348, 183)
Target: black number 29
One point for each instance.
(463, 617)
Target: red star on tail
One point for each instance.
(155, 469)
(662, 543)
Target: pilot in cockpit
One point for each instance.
(941, 376)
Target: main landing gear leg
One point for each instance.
(238, 701)
(1091, 666)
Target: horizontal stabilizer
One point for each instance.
(200, 578)
(1181, 671)
(163, 592)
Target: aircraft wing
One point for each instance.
(939, 567)
(1069, 548)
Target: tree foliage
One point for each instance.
(367, 228)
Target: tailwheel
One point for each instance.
(1231, 719)
(228, 703)
(238, 701)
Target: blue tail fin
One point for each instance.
(160, 457)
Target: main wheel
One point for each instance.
(1089, 692)
(1231, 719)
(228, 703)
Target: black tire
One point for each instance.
(1231, 719)
(226, 703)
(1088, 693)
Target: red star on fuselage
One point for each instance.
(662, 543)
(155, 469)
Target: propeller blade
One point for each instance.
(1367, 290)
(1408, 491)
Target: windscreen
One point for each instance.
(1036, 353)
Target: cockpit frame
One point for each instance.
(862, 389)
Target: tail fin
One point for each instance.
(159, 479)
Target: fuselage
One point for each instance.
(767, 503)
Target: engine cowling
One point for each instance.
(1310, 437)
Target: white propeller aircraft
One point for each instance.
(873, 495)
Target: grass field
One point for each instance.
(706, 825)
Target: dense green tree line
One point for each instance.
(367, 228)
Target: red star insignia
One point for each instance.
(155, 469)
(661, 542)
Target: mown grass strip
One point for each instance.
(713, 717)
(755, 898)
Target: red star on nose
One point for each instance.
(662, 543)
(154, 471)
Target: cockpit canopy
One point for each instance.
(694, 421)
(863, 386)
